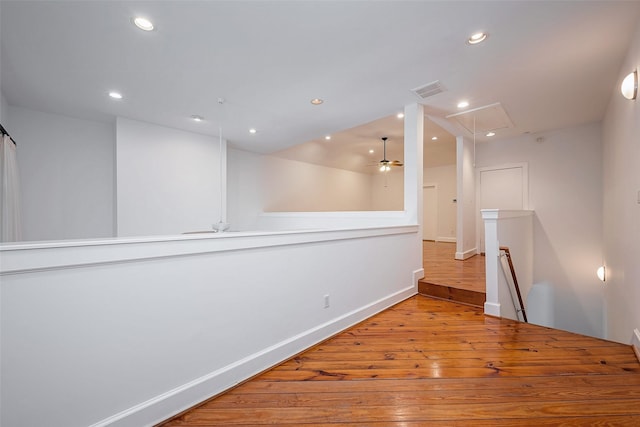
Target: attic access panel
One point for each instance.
(488, 118)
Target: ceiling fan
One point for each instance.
(384, 164)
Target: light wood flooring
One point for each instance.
(428, 362)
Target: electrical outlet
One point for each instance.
(326, 301)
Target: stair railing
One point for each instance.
(504, 251)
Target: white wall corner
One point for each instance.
(635, 342)
(492, 309)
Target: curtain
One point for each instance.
(10, 227)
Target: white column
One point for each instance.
(413, 163)
(492, 303)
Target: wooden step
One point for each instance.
(449, 293)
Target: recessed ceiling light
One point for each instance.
(491, 133)
(477, 38)
(316, 101)
(400, 115)
(372, 151)
(434, 138)
(115, 95)
(327, 137)
(252, 130)
(143, 23)
(197, 118)
(463, 104)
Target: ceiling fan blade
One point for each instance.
(395, 163)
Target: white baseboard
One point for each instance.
(446, 239)
(466, 254)
(635, 342)
(492, 309)
(417, 275)
(188, 395)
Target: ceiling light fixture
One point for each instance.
(400, 115)
(602, 273)
(477, 38)
(372, 151)
(143, 23)
(252, 130)
(197, 118)
(491, 133)
(463, 104)
(434, 138)
(327, 137)
(629, 86)
(316, 101)
(115, 95)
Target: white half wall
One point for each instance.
(621, 155)
(129, 332)
(67, 177)
(445, 178)
(565, 190)
(168, 180)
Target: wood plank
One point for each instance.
(430, 362)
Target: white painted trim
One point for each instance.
(492, 309)
(187, 395)
(29, 257)
(466, 254)
(337, 214)
(504, 213)
(635, 342)
(446, 239)
(417, 275)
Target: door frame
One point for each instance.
(434, 186)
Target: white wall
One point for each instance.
(445, 178)
(168, 180)
(466, 195)
(565, 191)
(66, 175)
(387, 190)
(621, 154)
(293, 186)
(4, 111)
(244, 189)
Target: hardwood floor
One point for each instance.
(427, 362)
(451, 279)
(441, 267)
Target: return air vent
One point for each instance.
(428, 90)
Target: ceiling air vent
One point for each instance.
(428, 90)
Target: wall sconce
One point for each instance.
(629, 86)
(601, 272)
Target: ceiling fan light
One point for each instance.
(143, 23)
(629, 86)
(477, 38)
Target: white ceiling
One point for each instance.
(550, 64)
